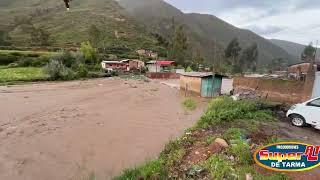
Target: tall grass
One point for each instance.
(189, 104)
(224, 110)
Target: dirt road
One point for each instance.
(71, 129)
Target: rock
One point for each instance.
(215, 148)
(197, 153)
(222, 142)
(249, 176)
(231, 158)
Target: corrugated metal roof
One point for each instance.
(199, 74)
(164, 62)
(161, 62)
(112, 62)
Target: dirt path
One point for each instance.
(68, 130)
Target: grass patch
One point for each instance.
(150, 170)
(225, 110)
(27, 53)
(233, 134)
(22, 74)
(189, 104)
(242, 152)
(220, 168)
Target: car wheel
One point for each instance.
(298, 120)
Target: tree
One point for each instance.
(232, 53)
(197, 60)
(249, 58)
(95, 35)
(4, 38)
(89, 53)
(277, 64)
(308, 53)
(179, 46)
(40, 36)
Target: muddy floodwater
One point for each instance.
(68, 130)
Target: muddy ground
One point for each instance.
(71, 129)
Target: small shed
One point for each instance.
(203, 84)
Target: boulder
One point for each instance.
(222, 142)
(215, 148)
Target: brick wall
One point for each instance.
(286, 91)
(162, 75)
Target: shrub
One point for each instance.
(57, 71)
(242, 153)
(89, 52)
(189, 69)
(82, 71)
(6, 59)
(189, 104)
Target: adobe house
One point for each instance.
(160, 66)
(284, 90)
(115, 65)
(202, 84)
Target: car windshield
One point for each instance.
(315, 103)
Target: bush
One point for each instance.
(57, 71)
(6, 59)
(89, 52)
(33, 62)
(189, 69)
(82, 71)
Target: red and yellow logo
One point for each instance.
(288, 157)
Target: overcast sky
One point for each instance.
(292, 20)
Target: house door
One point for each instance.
(206, 87)
(316, 86)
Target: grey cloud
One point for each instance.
(266, 30)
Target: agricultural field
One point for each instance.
(8, 75)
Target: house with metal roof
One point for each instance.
(203, 84)
(160, 66)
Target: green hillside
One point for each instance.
(203, 30)
(292, 48)
(71, 27)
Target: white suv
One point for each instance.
(306, 113)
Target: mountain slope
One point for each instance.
(71, 27)
(203, 30)
(292, 48)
